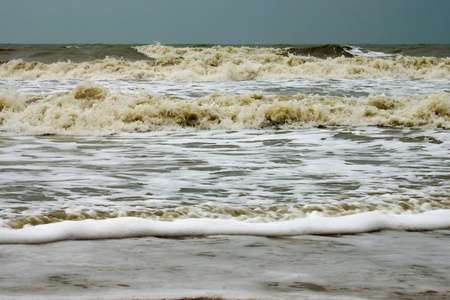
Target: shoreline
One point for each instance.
(382, 265)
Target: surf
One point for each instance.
(220, 63)
(93, 109)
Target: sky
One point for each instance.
(225, 21)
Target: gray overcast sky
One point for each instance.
(225, 21)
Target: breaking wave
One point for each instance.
(220, 63)
(323, 51)
(253, 214)
(92, 109)
(75, 53)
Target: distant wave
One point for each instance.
(233, 63)
(323, 51)
(92, 109)
(90, 52)
(64, 53)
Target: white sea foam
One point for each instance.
(135, 227)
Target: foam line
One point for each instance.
(127, 227)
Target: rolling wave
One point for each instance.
(93, 109)
(234, 63)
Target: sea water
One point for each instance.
(224, 171)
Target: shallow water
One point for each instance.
(384, 265)
(262, 175)
(287, 87)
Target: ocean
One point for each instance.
(224, 171)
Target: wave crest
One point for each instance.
(232, 63)
(92, 109)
